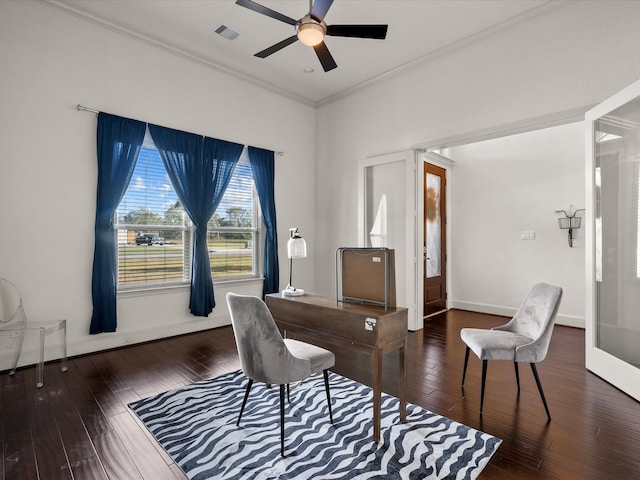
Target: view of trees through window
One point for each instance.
(155, 233)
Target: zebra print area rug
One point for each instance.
(196, 425)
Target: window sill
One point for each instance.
(155, 290)
(131, 292)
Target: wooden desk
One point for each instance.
(368, 329)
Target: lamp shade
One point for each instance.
(310, 32)
(296, 247)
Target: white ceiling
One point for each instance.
(418, 30)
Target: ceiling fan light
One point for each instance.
(311, 33)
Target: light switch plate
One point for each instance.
(527, 235)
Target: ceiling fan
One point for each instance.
(311, 30)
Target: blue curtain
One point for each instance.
(119, 141)
(200, 169)
(262, 166)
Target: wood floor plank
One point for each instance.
(50, 455)
(83, 458)
(114, 457)
(149, 462)
(18, 458)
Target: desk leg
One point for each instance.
(377, 393)
(403, 382)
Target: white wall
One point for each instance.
(52, 61)
(570, 58)
(503, 187)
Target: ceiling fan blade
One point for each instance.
(319, 9)
(256, 7)
(327, 61)
(360, 31)
(278, 46)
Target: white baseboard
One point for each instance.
(107, 341)
(561, 319)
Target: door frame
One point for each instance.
(622, 375)
(447, 164)
(413, 158)
(531, 124)
(409, 268)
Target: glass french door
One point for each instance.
(435, 282)
(613, 240)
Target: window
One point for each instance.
(155, 233)
(232, 234)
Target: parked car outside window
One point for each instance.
(149, 239)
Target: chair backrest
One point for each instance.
(11, 310)
(264, 357)
(535, 319)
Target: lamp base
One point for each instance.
(292, 291)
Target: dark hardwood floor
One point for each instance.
(78, 425)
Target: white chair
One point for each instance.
(525, 338)
(266, 357)
(13, 324)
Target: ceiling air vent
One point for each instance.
(226, 32)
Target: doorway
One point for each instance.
(502, 233)
(387, 218)
(434, 249)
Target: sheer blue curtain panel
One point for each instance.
(200, 169)
(263, 168)
(118, 140)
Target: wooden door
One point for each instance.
(435, 281)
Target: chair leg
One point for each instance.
(244, 402)
(544, 401)
(18, 350)
(515, 364)
(288, 397)
(466, 361)
(484, 380)
(40, 366)
(63, 340)
(326, 388)
(282, 420)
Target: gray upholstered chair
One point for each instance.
(267, 357)
(525, 338)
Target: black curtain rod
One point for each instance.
(82, 108)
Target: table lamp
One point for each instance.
(296, 248)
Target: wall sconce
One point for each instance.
(570, 221)
(296, 248)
